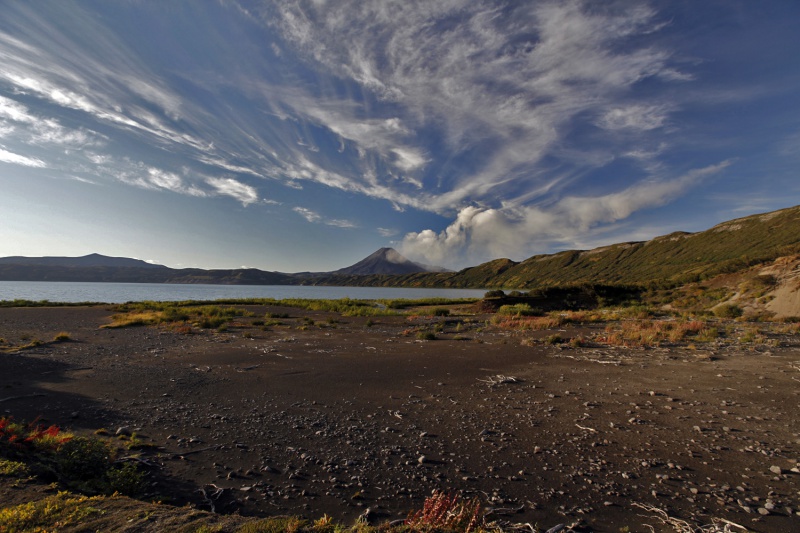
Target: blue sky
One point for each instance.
(304, 135)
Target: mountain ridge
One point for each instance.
(675, 258)
(90, 260)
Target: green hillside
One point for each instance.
(674, 258)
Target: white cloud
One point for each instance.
(341, 223)
(383, 136)
(82, 180)
(506, 83)
(148, 177)
(479, 234)
(236, 189)
(634, 117)
(387, 232)
(12, 110)
(17, 159)
(315, 218)
(33, 129)
(308, 214)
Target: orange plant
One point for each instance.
(31, 435)
(441, 511)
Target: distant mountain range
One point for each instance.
(675, 258)
(91, 260)
(101, 268)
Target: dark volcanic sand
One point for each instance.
(344, 418)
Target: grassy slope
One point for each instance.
(678, 257)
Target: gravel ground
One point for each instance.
(353, 417)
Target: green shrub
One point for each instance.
(553, 339)
(126, 479)
(728, 311)
(518, 310)
(83, 459)
(495, 294)
(441, 311)
(212, 322)
(12, 468)
(426, 336)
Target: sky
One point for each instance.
(303, 136)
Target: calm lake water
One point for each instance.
(132, 292)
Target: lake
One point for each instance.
(56, 291)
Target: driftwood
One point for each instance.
(214, 496)
(718, 525)
(190, 452)
(131, 458)
(500, 379)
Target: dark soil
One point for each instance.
(351, 416)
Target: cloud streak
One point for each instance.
(480, 234)
(17, 159)
(315, 218)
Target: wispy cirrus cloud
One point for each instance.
(308, 214)
(147, 177)
(634, 117)
(507, 80)
(315, 218)
(33, 129)
(235, 189)
(17, 159)
(506, 88)
(489, 127)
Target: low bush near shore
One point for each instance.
(62, 336)
(82, 464)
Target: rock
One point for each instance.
(776, 469)
(422, 459)
(123, 430)
(763, 511)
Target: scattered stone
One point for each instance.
(776, 469)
